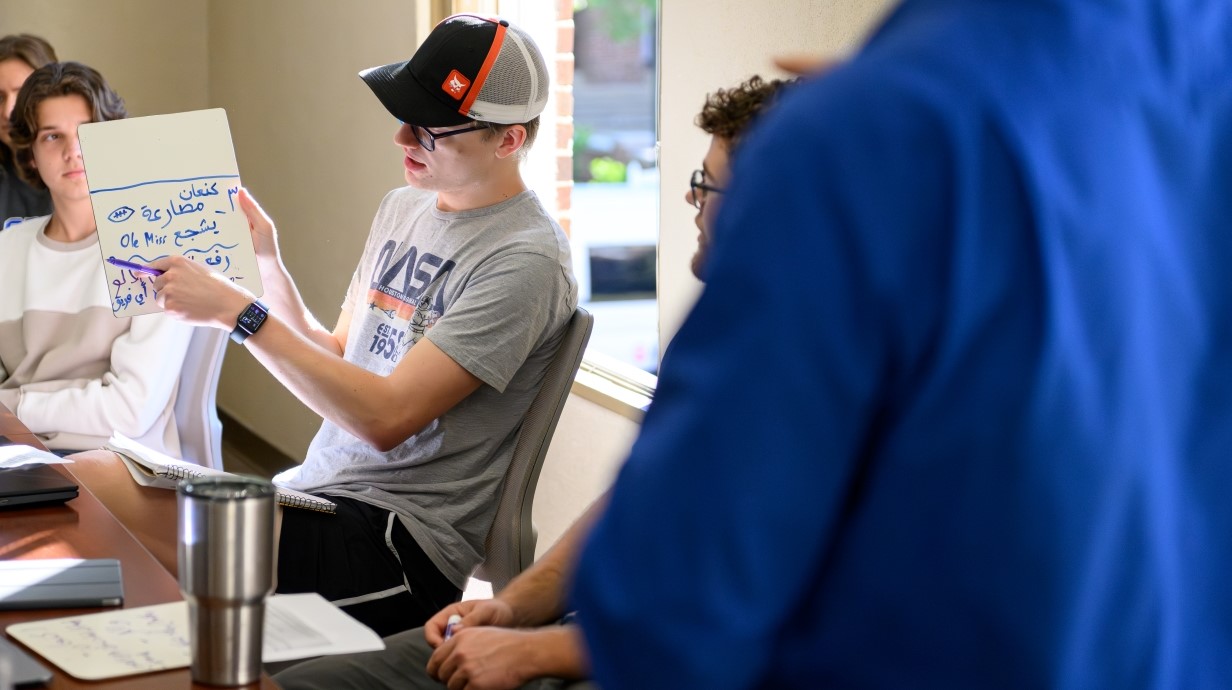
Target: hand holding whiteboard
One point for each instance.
(166, 185)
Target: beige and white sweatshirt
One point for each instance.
(71, 371)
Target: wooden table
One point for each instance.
(85, 528)
(12, 427)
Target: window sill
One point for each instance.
(615, 385)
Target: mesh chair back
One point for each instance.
(510, 545)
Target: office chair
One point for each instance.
(196, 415)
(510, 544)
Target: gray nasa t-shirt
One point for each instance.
(493, 289)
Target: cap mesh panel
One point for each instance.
(518, 79)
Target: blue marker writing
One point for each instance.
(449, 625)
(133, 267)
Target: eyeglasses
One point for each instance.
(698, 188)
(427, 138)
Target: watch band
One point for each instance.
(249, 321)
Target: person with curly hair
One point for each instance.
(70, 370)
(20, 55)
(725, 116)
(515, 639)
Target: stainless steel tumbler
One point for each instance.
(226, 558)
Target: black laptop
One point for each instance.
(32, 485)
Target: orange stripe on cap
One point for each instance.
(477, 83)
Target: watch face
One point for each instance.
(252, 318)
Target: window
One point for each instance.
(595, 168)
(615, 198)
(597, 152)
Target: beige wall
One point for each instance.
(315, 148)
(152, 52)
(708, 45)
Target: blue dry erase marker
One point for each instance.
(449, 625)
(133, 267)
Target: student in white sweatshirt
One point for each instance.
(71, 370)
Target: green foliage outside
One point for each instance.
(581, 139)
(607, 169)
(625, 19)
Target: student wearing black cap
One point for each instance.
(522, 638)
(458, 304)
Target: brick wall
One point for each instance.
(563, 79)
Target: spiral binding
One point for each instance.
(308, 503)
(179, 472)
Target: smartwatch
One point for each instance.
(249, 321)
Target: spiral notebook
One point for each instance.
(152, 468)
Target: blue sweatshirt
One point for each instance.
(955, 407)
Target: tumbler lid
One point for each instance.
(227, 488)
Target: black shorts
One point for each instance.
(363, 560)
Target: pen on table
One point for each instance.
(449, 625)
(140, 268)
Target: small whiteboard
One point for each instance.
(125, 642)
(165, 185)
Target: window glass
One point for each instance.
(603, 169)
(616, 176)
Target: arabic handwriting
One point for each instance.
(193, 190)
(151, 214)
(204, 227)
(184, 217)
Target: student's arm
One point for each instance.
(535, 597)
(280, 293)
(493, 648)
(501, 659)
(382, 410)
(425, 384)
(129, 398)
(307, 358)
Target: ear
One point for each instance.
(511, 141)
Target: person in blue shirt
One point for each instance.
(952, 410)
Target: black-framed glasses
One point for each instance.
(698, 188)
(427, 138)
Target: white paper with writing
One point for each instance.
(155, 638)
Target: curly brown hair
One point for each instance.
(49, 81)
(728, 112)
